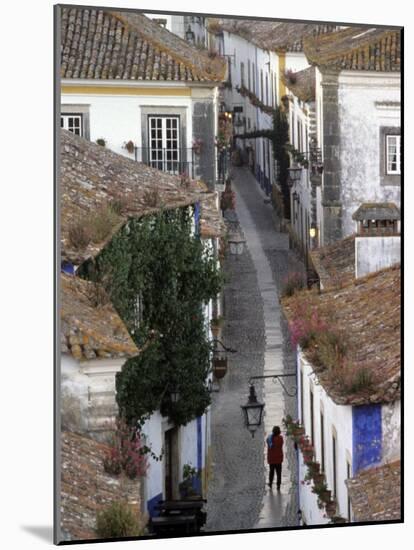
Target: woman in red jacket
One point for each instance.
(275, 456)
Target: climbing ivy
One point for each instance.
(159, 275)
(279, 136)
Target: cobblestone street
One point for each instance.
(238, 496)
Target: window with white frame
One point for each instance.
(72, 122)
(164, 151)
(393, 154)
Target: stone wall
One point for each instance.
(331, 197)
(204, 128)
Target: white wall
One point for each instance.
(154, 437)
(117, 119)
(360, 120)
(336, 417)
(296, 61)
(260, 60)
(375, 253)
(88, 392)
(391, 431)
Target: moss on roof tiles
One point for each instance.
(368, 311)
(375, 493)
(90, 326)
(104, 44)
(271, 35)
(356, 48)
(93, 177)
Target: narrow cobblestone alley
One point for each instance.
(238, 496)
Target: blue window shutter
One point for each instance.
(197, 218)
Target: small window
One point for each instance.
(393, 156)
(248, 75)
(72, 122)
(242, 82)
(334, 466)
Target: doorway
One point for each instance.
(171, 464)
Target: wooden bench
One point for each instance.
(179, 523)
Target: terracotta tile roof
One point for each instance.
(367, 312)
(103, 44)
(271, 35)
(356, 48)
(335, 263)
(86, 488)
(302, 83)
(376, 493)
(88, 330)
(377, 211)
(91, 177)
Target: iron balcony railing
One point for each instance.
(174, 161)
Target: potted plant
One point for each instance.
(186, 487)
(219, 367)
(101, 142)
(215, 325)
(130, 146)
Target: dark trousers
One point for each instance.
(278, 468)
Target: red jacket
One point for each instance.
(275, 453)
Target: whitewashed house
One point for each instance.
(350, 408)
(139, 89)
(300, 112)
(91, 177)
(258, 54)
(358, 104)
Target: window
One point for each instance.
(242, 82)
(267, 90)
(322, 442)
(164, 151)
(254, 78)
(75, 118)
(72, 122)
(248, 74)
(334, 465)
(261, 86)
(393, 154)
(390, 155)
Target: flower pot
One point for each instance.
(219, 368)
(215, 329)
(330, 508)
(318, 478)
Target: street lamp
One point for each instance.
(236, 243)
(313, 230)
(175, 395)
(189, 35)
(253, 411)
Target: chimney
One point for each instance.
(377, 241)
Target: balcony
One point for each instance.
(174, 161)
